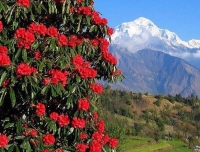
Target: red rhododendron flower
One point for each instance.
(48, 139)
(83, 104)
(79, 1)
(46, 81)
(1, 26)
(62, 40)
(96, 88)
(103, 45)
(85, 10)
(109, 58)
(96, 19)
(113, 143)
(37, 55)
(78, 60)
(40, 109)
(25, 69)
(63, 120)
(58, 76)
(117, 72)
(24, 38)
(78, 122)
(45, 150)
(94, 42)
(95, 115)
(72, 41)
(58, 150)
(54, 116)
(25, 3)
(97, 136)
(81, 147)
(86, 72)
(5, 83)
(33, 132)
(3, 141)
(40, 29)
(95, 146)
(52, 31)
(105, 139)
(82, 135)
(110, 31)
(101, 126)
(4, 59)
(3, 49)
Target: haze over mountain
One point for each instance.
(152, 59)
(143, 33)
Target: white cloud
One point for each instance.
(196, 54)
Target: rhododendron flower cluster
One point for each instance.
(4, 58)
(63, 120)
(39, 29)
(83, 104)
(40, 109)
(24, 69)
(83, 68)
(78, 122)
(3, 140)
(58, 76)
(48, 139)
(25, 3)
(24, 38)
(96, 88)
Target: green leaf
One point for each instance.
(52, 126)
(79, 23)
(8, 125)
(18, 53)
(12, 97)
(88, 20)
(68, 7)
(63, 7)
(24, 55)
(44, 90)
(53, 44)
(26, 145)
(19, 126)
(3, 93)
(11, 148)
(19, 137)
(53, 92)
(3, 78)
(17, 149)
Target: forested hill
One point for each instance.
(156, 116)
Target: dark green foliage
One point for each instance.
(158, 102)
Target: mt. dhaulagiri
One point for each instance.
(143, 33)
(155, 60)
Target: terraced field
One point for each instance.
(135, 144)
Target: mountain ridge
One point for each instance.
(156, 72)
(141, 25)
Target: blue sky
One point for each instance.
(179, 16)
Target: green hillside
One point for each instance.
(158, 117)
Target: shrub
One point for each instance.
(51, 53)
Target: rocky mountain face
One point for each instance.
(157, 73)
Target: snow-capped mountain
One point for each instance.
(155, 60)
(143, 33)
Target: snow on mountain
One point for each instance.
(143, 33)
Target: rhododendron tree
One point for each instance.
(52, 52)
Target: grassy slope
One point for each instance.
(137, 144)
